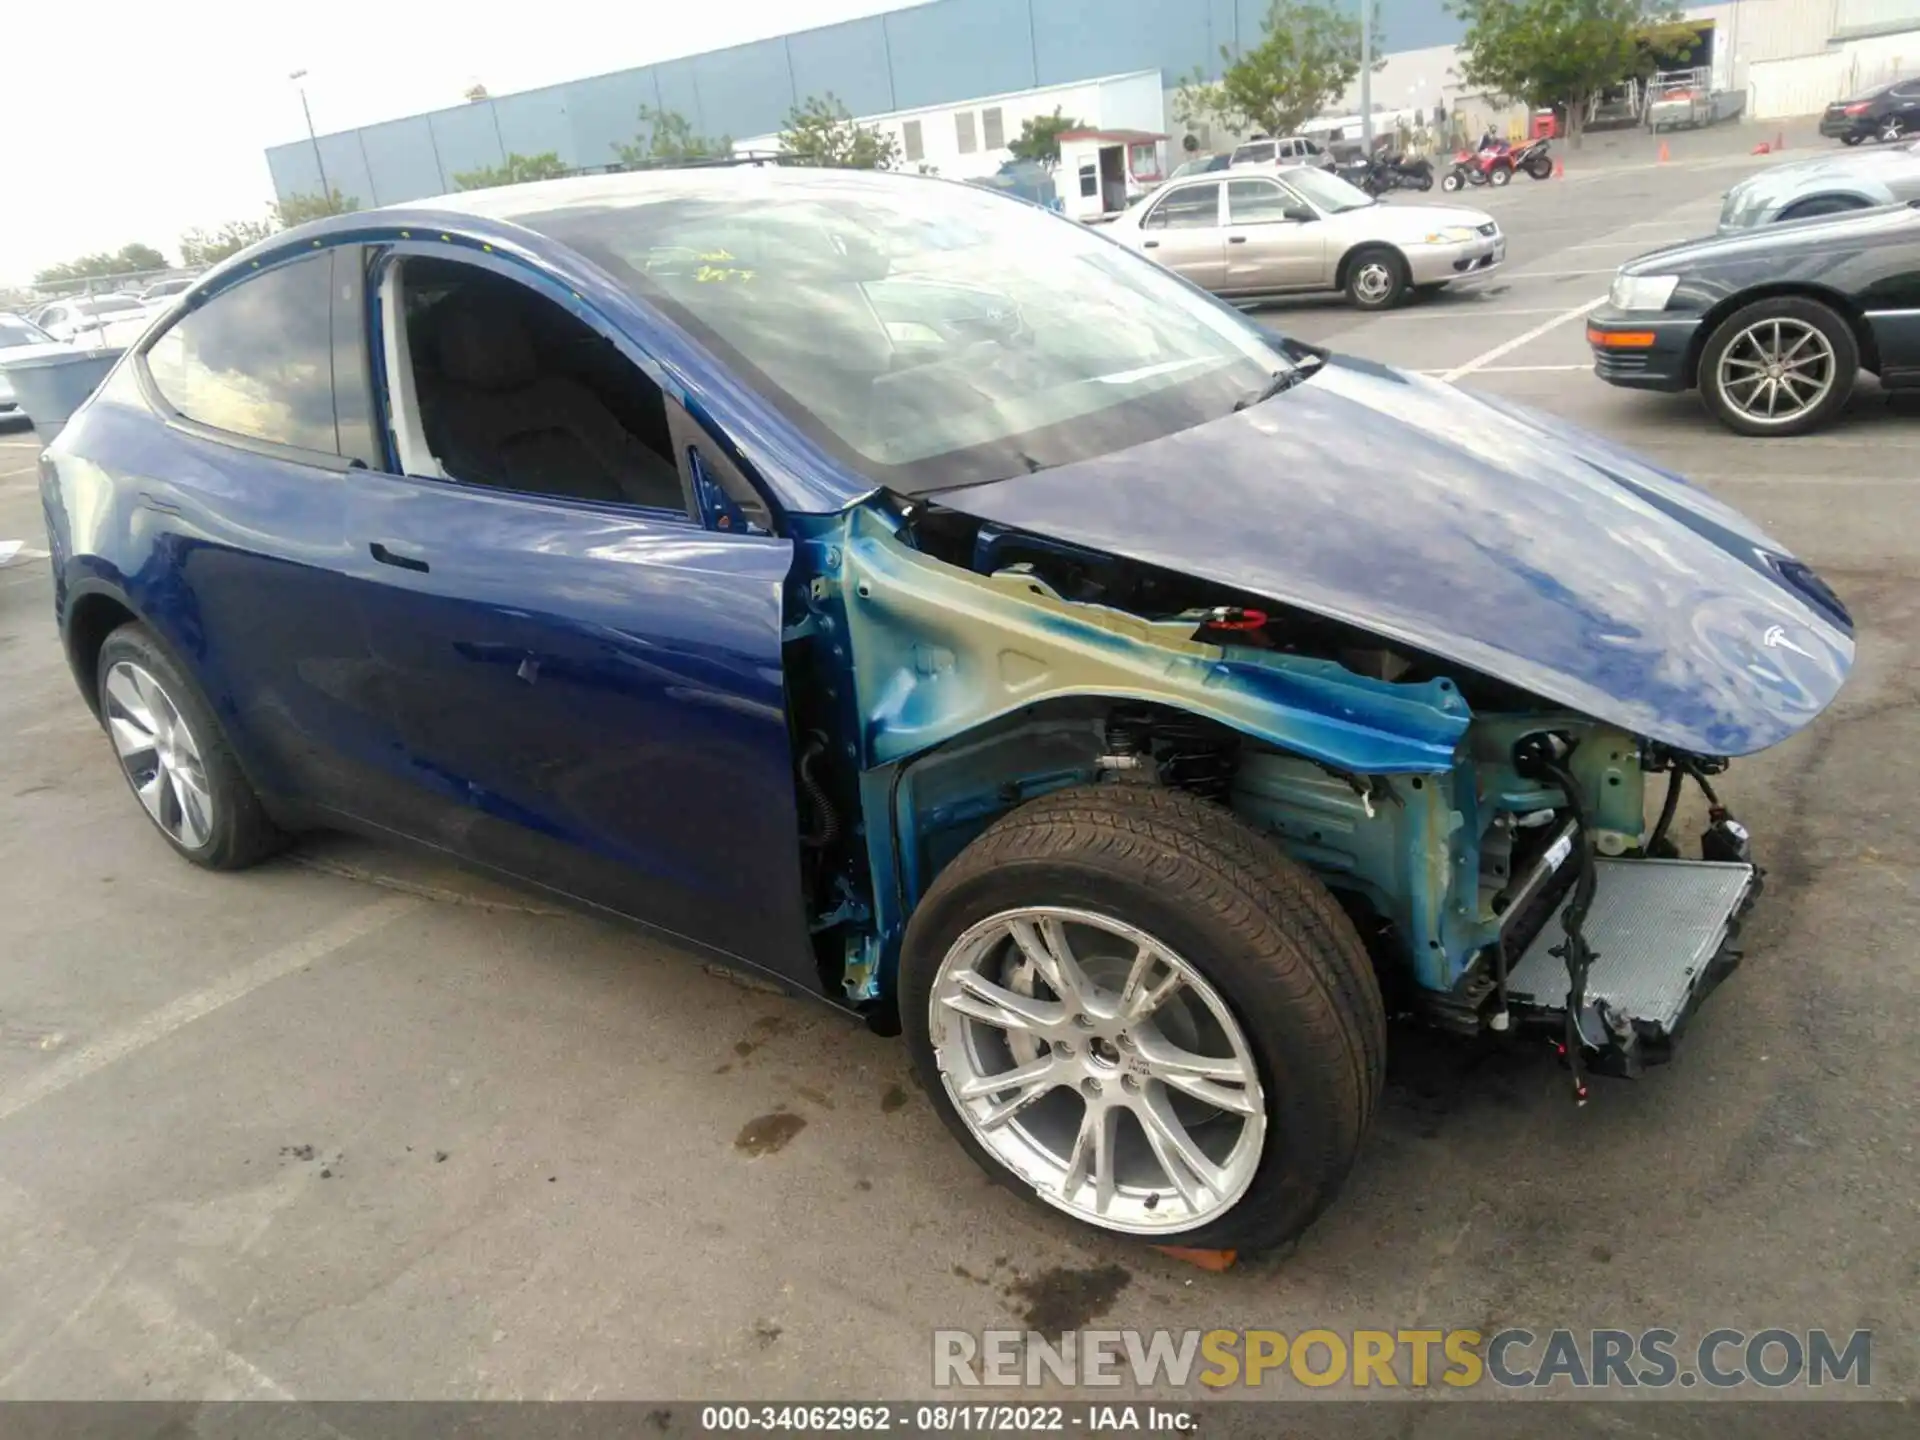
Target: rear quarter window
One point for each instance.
(256, 361)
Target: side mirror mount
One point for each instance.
(1302, 213)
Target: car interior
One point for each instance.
(513, 392)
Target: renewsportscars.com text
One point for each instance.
(1516, 1358)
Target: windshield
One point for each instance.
(926, 334)
(1328, 192)
(15, 331)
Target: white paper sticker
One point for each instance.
(1558, 851)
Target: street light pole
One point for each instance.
(326, 191)
(1366, 77)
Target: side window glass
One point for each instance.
(1191, 207)
(1256, 202)
(516, 393)
(257, 360)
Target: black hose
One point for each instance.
(1574, 950)
(1700, 779)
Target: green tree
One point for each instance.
(822, 132)
(127, 260)
(1309, 53)
(1039, 137)
(1565, 52)
(209, 247)
(666, 136)
(298, 209)
(516, 170)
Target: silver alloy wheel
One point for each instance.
(1775, 371)
(1100, 1067)
(159, 754)
(1373, 282)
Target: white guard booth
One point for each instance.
(1104, 171)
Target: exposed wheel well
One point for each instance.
(1837, 203)
(1346, 260)
(91, 620)
(1839, 304)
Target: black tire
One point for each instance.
(1364, 270)
(1830, 323)
(1890, 132)
(239, 832)
(1452, 181)
(1500, 175)
(1540, 168)
(1277, 948)
(1820, 205)
(1425, 182)
(1851, 139)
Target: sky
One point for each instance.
(151, 121)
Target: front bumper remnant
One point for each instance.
(1662, 933)
(1640, 351)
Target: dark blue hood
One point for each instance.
(1477, 531)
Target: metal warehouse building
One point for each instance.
(905, 62)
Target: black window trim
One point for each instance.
(271, 449)
(543, 286)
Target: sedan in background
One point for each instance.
(165, 289)
(1771, 326)
(1248, 237)
(82, 318)
(20, 339)
(1825, 185)
(1885, 112)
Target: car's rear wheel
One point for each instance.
(1376, 277)
(1779, 367)
(1132, 1008)
(175, 756)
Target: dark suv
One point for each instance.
(1886, 112)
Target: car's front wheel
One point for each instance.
(1782, 366)
(1376, 277)
(1890, 131)
(1131, 1007)
(175, 756)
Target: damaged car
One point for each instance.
(902, 593)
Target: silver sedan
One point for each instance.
(1824, 185)
(1250, 236)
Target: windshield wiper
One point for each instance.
(1278, 381)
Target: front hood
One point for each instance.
(1478, 532)
(1738, 238)
(1390, 222)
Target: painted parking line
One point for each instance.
(1509, 370)
(1507, 347)
(117, 1045)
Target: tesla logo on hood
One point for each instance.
(1776, 639)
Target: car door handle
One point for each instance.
(390, 557)
(1236, 239)
(1151, 245)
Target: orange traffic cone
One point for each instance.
(1559, 169)
(1763, 148)
(1663, 152)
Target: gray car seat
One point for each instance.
(492, 418)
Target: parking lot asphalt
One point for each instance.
(354, 1124)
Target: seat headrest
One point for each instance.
(484, 344)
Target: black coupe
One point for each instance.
(1773, 325)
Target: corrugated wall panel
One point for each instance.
(292, 168)
(749, 87)
(534, 122)
(605, 111)
(1798, 86)
(850, 60)
(347, 167)
(957, 49)
(1075, 39)
(1760, 30)
(466, 138)
(679, 89)
(401, 161)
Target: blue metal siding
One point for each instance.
(957, 49)
(467, 138)
(401, 162)
(535, 123)
(848, 60)
(749, 86)
(942, 53)
(605, 112)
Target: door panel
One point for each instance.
(594, 700)
(1264, 249)
(1182, 232)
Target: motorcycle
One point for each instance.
(1404, 174)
